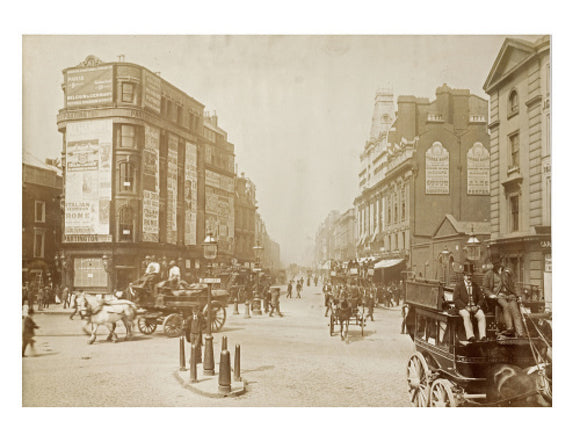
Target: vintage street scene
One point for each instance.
(286, 221)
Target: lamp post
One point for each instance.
(210, 250)
(256, 305)
(472, 247)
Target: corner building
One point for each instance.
(519, 85)
(145, 174)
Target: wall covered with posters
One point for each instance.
(190, 193)
(151, 185)
(88, 180)
(219, 206)
(172, 154)
(89, 86)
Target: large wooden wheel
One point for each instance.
(418, 374)
(218, 315)
(173, 325)
(147, 325)
(441, 394)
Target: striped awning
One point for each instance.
(385, 264)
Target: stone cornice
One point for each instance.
(536, 99)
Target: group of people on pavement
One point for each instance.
(299, 287)
(498, 285)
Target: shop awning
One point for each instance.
(385, 264)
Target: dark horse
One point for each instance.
(343, 311)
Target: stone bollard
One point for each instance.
(236, 311)
(257, 306)
(247, 314)
(225, 375)
(182, 353)
(193, 363)
(237, 376)
(208, 361)
(224, 342)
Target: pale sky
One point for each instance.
(297, 108)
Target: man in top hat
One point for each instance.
(468, 299)
(498, 284)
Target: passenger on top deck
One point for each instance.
(469, 300)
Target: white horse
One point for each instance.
(100, 312)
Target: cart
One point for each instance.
(446, 370)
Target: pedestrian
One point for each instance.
(28, 327)
(327, 290)
(47, 296)
(289, 290)
(65, 298)
(369, 300)
(194, 329)
(275, 301)
(298, 290)
(40, 298)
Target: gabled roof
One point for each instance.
(31, 160)
(463, 227)
(513, 53)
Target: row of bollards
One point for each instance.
(225, 377)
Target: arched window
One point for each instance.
(513, 102)
(125, 224)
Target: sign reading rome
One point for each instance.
(478, 170)
(89, 86)
(437, 170)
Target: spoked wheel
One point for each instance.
(173, 325)
(147, 325)
(218, 315)
(441, 394)
(331, 324)
(418, 374)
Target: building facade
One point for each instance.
(325, 241)
(245, 219)
(344, 236)
(41, 221)
(519, 86)
(435, 162)
(146, 173)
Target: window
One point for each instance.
(513, 103)
(389, 215)
(403, 211)
(514, 204)
(126, 177)
(128, 136)
(126, 224)
(404, 241)
(514, 141)
(127, 92)
(396, 214)
(548, 138)
(39, 212)
(179, 115)
(38, 247)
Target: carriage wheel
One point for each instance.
(173, 325)
(441, 394)
(418, 374)
(331, 324)
(147, 325)
(218, 315)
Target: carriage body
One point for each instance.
(447, 370)
(350, 311)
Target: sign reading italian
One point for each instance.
(190, 193)
(478, 170)
(437, 170)
(88, 178)
(89, 86)
(172, 189)
(150, 231)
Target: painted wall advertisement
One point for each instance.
(88, 181)
(172, 148)
(437, 170)
(151, 185)
(478, 170)
(190, 193)
(89, 86)
(152, 91)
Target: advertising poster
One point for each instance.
(437, 170)
(88, 180)
(220, 207)
(172, 189)
(219, 181)
(151, 185)
(190, 193)
(89, 86)
(478, 170)
(151, 91)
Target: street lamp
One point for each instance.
(210, 250)
(473, 247)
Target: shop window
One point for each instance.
(128, 92)
(514, 142)
(126, 177)
(38, 247)
(513, 103)
(39, 212)
(514, 206)
(128, 137)
(126, 224)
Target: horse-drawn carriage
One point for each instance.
(346, 303)
(169, 305)
(447, 370)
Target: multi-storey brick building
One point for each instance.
(519, 88)
(245, 219)
(344, 245)
(145, 173)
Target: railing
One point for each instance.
(477, 118)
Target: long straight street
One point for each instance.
(289, 361)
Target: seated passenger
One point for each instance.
(469, 300)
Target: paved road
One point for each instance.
(289, 361)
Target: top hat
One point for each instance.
(468, 268)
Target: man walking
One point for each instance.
(275, 301)
(289, 290)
